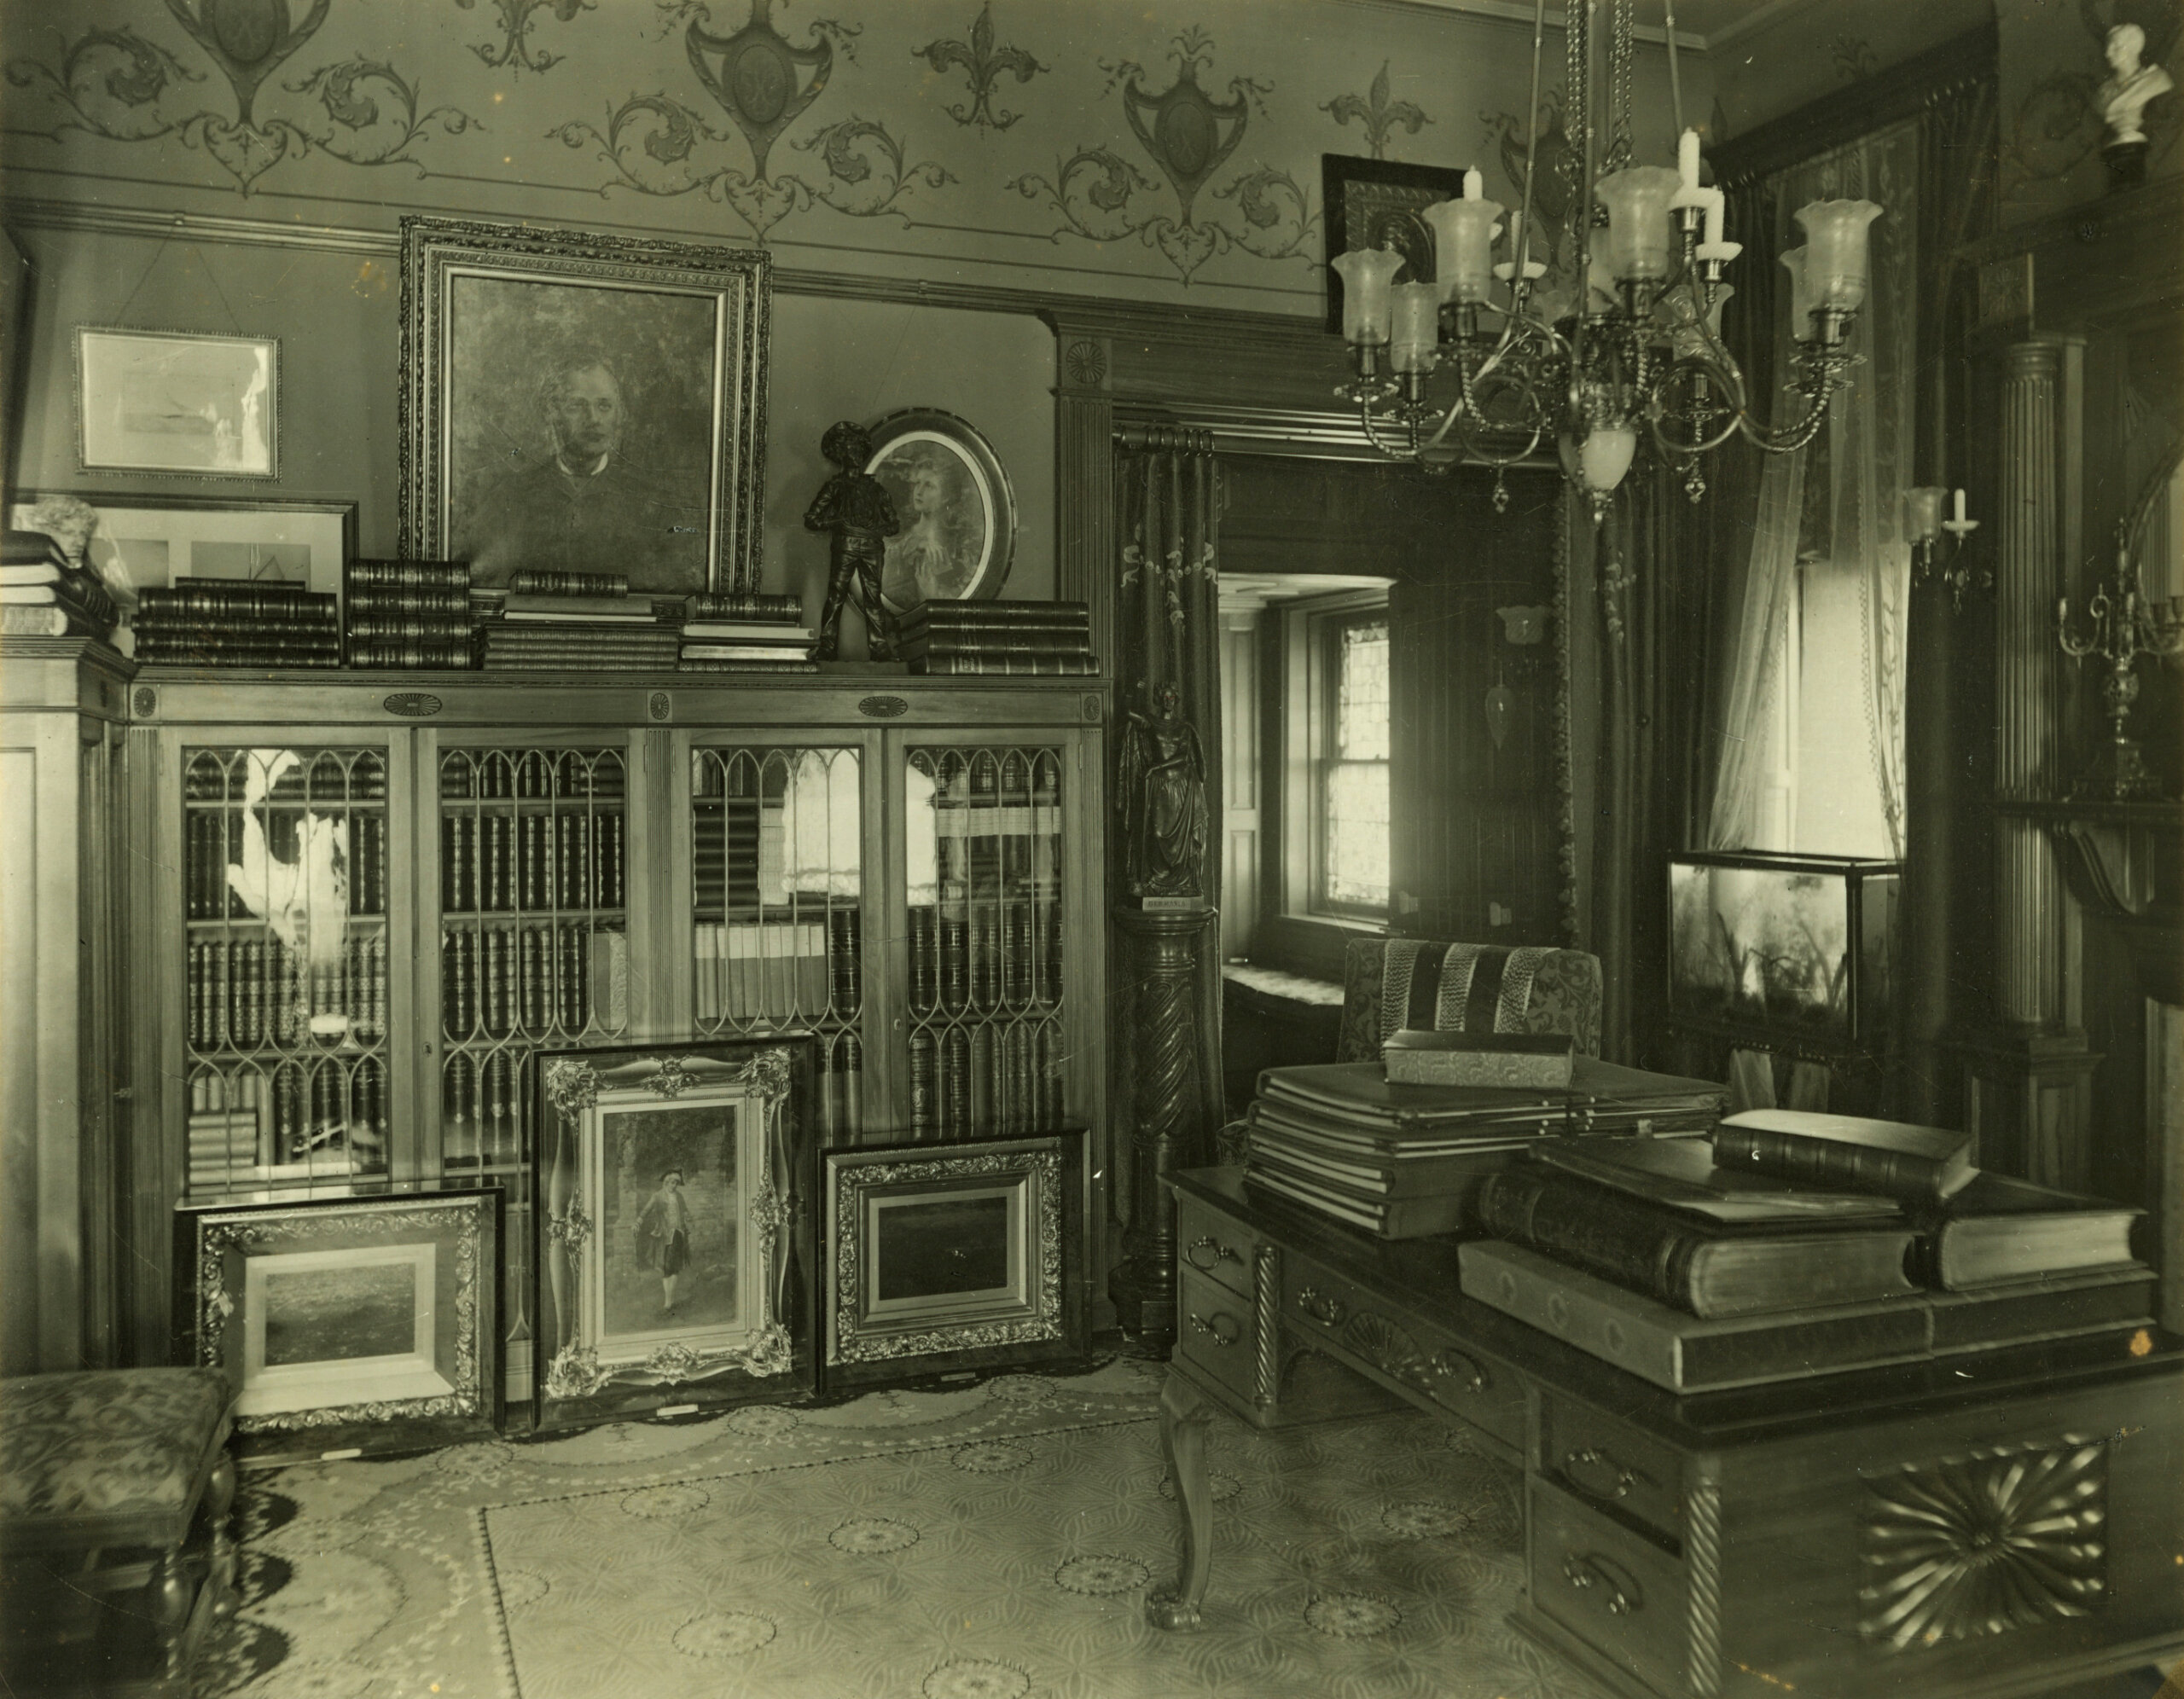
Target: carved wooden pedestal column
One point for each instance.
(1162, 1058)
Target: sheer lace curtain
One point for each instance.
(1848, 532)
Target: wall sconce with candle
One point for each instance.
(1922, 528)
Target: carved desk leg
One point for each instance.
(1184, 1417)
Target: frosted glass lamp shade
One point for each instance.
(1637, 202)
(1837, 256)
(1922, 513)
(1463, 247)
(1415, 326)
(1801, 325)
(1606, 453)
(1367, 308)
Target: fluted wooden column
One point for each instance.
(2027, 694)
(2030, 1097)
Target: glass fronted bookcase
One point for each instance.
(379, 926)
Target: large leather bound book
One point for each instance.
(1684, 1354)
(1681, 1174)
(1926, 1164)
(1673, 1349)
(1998, 1230)
(1390, 1219)
(1709, 1267)
(1368, 1179)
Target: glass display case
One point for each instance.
(1775, 946)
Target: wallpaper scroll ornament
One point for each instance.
(514, 51)
(116, 84)
(1190, 136)
(1377, 113)
(658, 144)
(985, 65)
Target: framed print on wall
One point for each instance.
(361, 1321)
(148, 542)
(957, 509)
(950, 1256)
(582, 402)
(1377, 204)
(674, 1221)
(182, 402)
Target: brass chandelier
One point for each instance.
(1637, 342)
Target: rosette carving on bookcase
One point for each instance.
(121, 86)
(1986, 1543)
(1189, 136)
(658, 144)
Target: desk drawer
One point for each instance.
(1413, 1355)
(1212, 1245)
(1213, 1332)
(1602, 1459)
(1610, 1585)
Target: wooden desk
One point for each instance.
(1991, 1525)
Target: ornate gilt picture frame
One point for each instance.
(365, 1321)
(953, 1256)
(573, 400)
(673, 1223)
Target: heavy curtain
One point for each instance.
(1167, 635)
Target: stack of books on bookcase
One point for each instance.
(238, 623)
(406, 613)
(577, 622)
(745, 631)
(1038, 639)
(1797, 1245)
(1404, 1160)
(42, 595)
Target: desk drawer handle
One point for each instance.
(1586, 1571)
(1213, 1244)
(1625, 1477)
(1213, 1328)
(1475, 1377)
(1328, 1312)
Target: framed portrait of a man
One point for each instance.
(673, 1256)
(573, 402)
(955, 505)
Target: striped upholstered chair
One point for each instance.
(1391, 983)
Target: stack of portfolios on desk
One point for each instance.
(1619, 1212)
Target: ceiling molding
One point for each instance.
(1757, 18)
(1517, 12)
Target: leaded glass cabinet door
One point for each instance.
(990, 1016)
(778, 904)
(530, 895)
(293, 982)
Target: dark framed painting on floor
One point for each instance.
(954, 1256)
(359, 1320)
(580, 402)
(674, 1220)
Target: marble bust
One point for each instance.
(2124, 95)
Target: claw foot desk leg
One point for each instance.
(1184, 1417)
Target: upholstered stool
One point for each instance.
(105, 1476)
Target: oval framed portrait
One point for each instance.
(957, 510)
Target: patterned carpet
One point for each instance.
(995, 1542)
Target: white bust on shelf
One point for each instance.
(2124, 95)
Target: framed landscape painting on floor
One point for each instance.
(367, 1320)
(950, 1256)
(674, 1222)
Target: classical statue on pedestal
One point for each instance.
(2122, 100)
(1163, 800)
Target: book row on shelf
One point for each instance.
(776, 970)
(547, 977)
(531, 775)
(329, 1114)
(508, 863)
(214, 842)
(406, 613)
(245, 992)
(985, 955)
(996, 1077)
